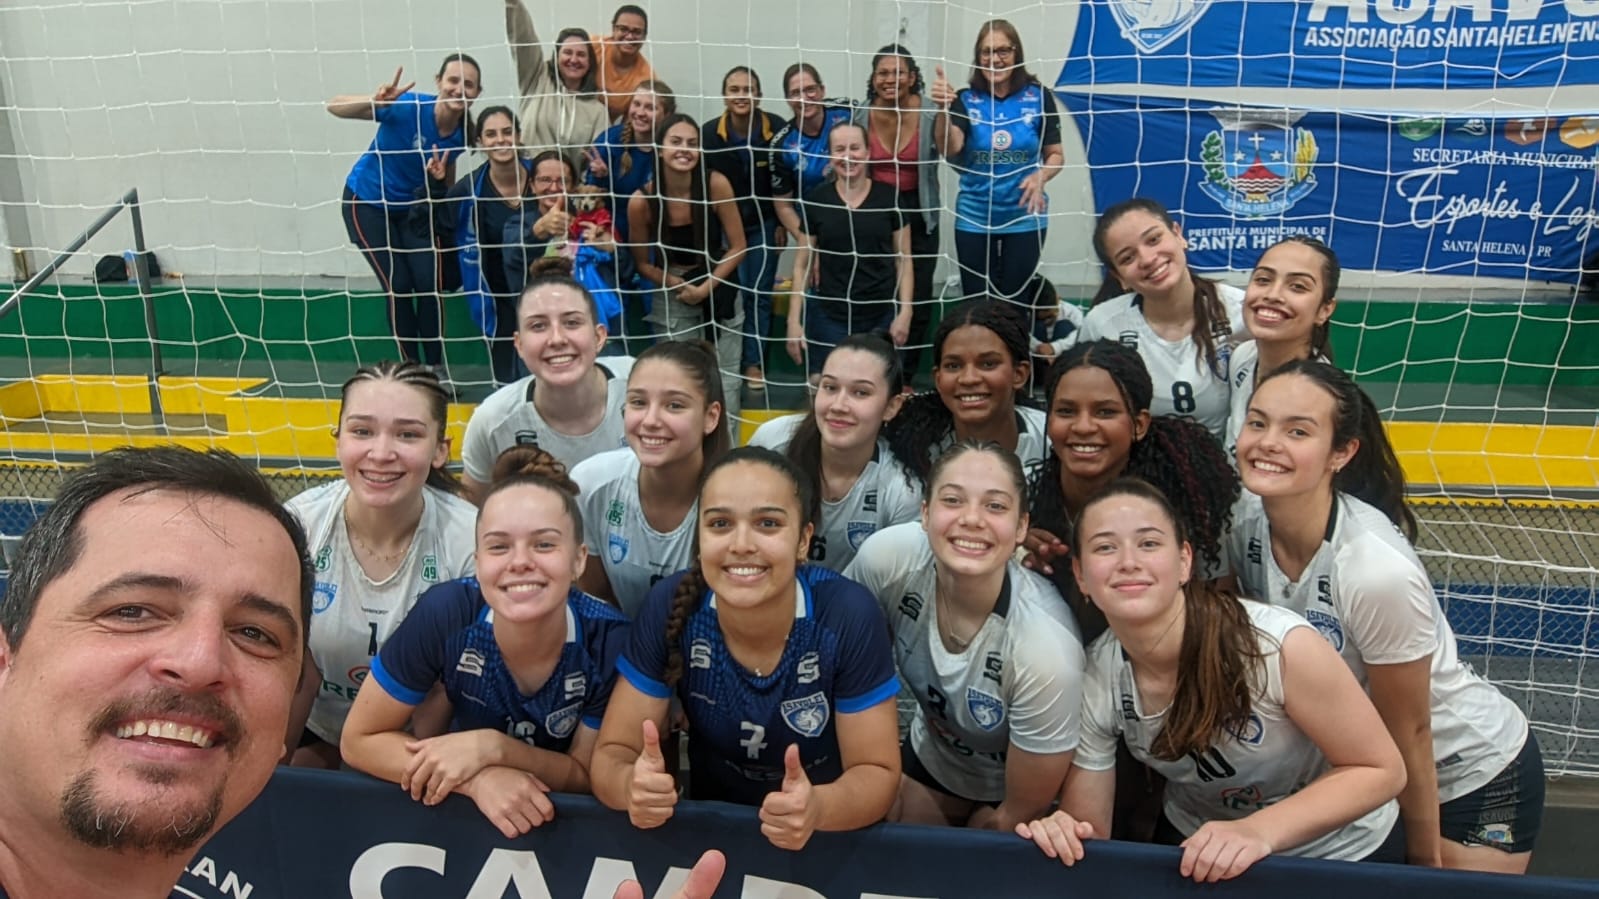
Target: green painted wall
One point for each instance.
(1478, 343)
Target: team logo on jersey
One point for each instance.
(1152, 24)
(523, 730)
(1239, 376)
(994, 668)
(575, 684)
(699, 654)
(1495, 834)
(806, 716)
(1324, 590)
(910, 605)
(613, 513)
(1252, 731)
(1128, 339)
(324, 558)
(1254, 550)
(1328, 625)
(1002, 140)
(357, 675)
(561, 722)
(869, 501)
(322, 596)
(809, 668)
(987, 710)
(1247, 797)
(430, 568)
(1258, 163)
(470, 662)
(858, 531)
(617, 545)
(527, 438)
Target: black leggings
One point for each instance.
(406, 267)
(997, 264)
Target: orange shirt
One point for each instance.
(616, 84)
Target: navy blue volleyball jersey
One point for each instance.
(800, 160)
(837, 661)
(449, 638)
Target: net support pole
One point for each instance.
(141, 277)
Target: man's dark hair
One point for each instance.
(630, 9)
(52, 545)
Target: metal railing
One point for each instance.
(141, 277)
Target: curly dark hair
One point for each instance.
(924, 424)
(1177, 456)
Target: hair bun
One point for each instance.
(550, 265)
(529, 459)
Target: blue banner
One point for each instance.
(1335, 43)
(1495, 197)
(316, 835)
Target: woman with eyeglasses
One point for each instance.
(1001, 134)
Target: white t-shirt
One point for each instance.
(508, 418)
(1270, 761)
(1368, 594)
(1245, 364)
(880, 497)
(1018, 684)
(634, 554)
(1184, 384)
(352, 615)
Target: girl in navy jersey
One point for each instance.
(623, 160)
(857, 244)
(571, 404)
(1100, 429)
(986, 647)
(1267, 744)
(980, 365)
(382, 189)
(1290, 298)
(525, 658)
(1179, 322)
(1002, 136)
(799, 151)
(1323, 532)
(899, 126)
(639, 504)
(863, 486)
(381, 535)
(783, 671)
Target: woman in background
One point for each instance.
(562, 108)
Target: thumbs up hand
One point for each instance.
(941, 92)
(789, 816)
(653, 795)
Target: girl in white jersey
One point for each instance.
(1100, 429)
(981, 363)
(1267, 744)
(386, 531)
(1291, 296)
(639, 503)
(863, 486)
(986, 647)
(571, 404)
(1179, 322)
(1320, 534)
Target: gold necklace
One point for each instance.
(369, 550)
(947, 625)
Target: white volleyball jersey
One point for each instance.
(1245, 364)
(1184, 384)
(353, 615)
(1366, 591)
(1271, 760)
(1019, 682)
(508, 418)
(1032, 439)
(635, 555)
(881, 496)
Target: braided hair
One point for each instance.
(666, 103)
(924, 424)
(691, 587)
(425, 380)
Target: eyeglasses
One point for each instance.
(990, 52)
(548, 181)
(812, 92)
(626, 32)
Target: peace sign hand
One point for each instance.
(388, 93)
(437, 167)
